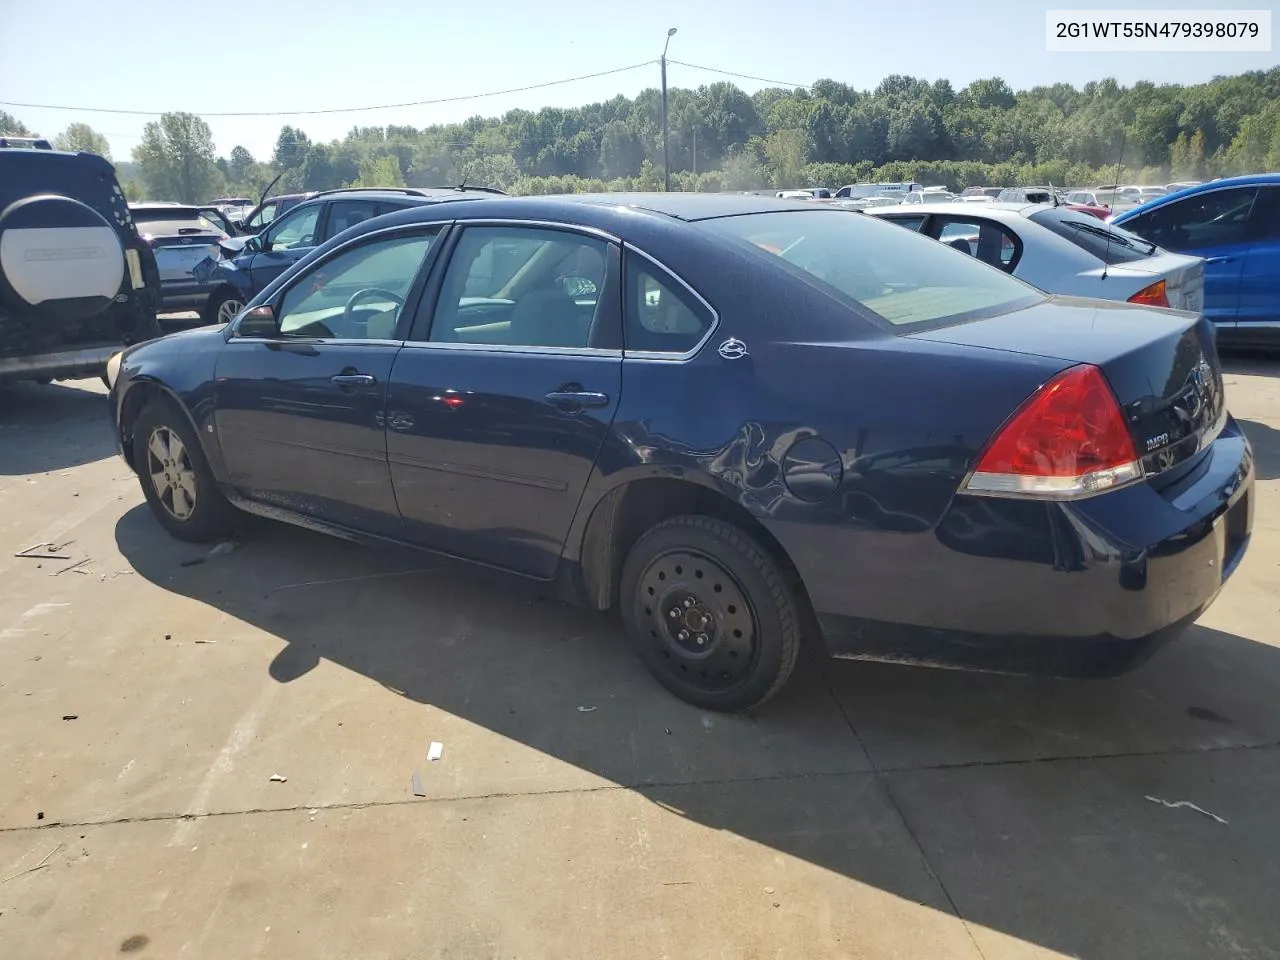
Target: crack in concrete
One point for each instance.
(875, 772)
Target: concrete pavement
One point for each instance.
(578, 810)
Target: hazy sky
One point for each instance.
(282, 55)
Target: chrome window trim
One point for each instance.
(658, 354)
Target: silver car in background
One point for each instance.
(1062, 251)
(181, 236)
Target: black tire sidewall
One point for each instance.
(713, 538)
(209, 519)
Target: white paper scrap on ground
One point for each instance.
(1174, 804)
(435, 751)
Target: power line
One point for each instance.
(330, 110)
(740, 76)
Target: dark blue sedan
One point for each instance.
(737, 420)
(1234, 224)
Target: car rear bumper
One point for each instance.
(184, 294)
(1088, 588)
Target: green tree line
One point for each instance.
(722, 138)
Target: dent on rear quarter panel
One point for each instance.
(904, 420)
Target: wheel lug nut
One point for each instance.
(688, 603)
(702, 639)
(674, 612)
(683, 634)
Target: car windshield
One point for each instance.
(1110, 244)
(901, 278)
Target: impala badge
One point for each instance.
(733, 349)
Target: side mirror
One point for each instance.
(258, 322)
(255, 244)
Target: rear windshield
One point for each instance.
(901, 278)
(1110, 244)
(166, 227)
(157, 214)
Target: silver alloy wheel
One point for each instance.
(228, 309)
(172, 476)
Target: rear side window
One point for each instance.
(911, 223)
(662, 315)
(1109, 243)
(988, 241)
(344, 214)
(895, 277)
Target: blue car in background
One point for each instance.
(1234, 224)
(247, 264)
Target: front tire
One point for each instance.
(222, 307)
(710, 613)
(175, 476)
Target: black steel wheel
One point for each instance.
(710, 613)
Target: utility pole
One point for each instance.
(666, 156)
(695, 156)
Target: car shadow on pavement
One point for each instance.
(1034, 808)
(1265, 441)
(52, 427)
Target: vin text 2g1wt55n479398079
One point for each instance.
(733, 419)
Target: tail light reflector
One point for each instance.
(1067, 440)
(1152, 296)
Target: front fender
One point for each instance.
(181, 368)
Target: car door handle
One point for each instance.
(1219, 259)
(577, 398)
(354, 380)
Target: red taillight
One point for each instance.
(1067, 440)
(1152, 296)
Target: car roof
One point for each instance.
(1248, 180)
(679, 206)
(1005, 212)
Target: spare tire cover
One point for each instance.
(59, 257)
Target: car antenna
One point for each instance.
(1106, 256)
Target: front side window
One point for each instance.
(356, 295)
(521, 287)
(662, 315)
(896, 278)
(296, 230)
(1214, 219)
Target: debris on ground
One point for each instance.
(587, 709)
(206, 641)
(70, 716)
(39, 866)
(45, 551)
(1174, 804)
(435, 751)
(75, 566)
(276, 778)
(223, 548)
(415, 784)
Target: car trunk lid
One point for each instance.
(1161, 364)
(1183, 277)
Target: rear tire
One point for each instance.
(175, 476)
(710, 613)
